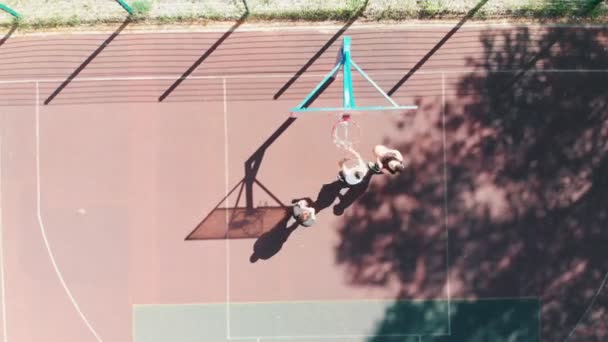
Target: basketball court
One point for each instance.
(127, 217)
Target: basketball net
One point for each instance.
(346, 133)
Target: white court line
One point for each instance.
(42, 227)
(226, 186)
(589, 307)
(413, 300)
(132, 323)
(324, 337)
(2, 287)
(445, 203)
(540, 322)
(289, 75)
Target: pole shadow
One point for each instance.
(321, 51)
(88, 61)
(271, 242)
(205, 230)
(207, 53)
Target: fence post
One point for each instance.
(125, 6)
(10, 11)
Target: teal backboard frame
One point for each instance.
(346, 64)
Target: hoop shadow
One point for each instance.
(88, 61)
(247, 221)
(207, 53)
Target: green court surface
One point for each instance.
(352, 321)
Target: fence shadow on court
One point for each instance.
(10, 32)
(526, 193)
(207, 53)
(436, 48)
(87, 61)
(321, 51)
(586, 8)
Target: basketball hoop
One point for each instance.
(345, 132)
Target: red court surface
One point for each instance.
(101, 182)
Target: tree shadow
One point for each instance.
(525, 193)
(475, 321)
(586, 7)
(436, 48)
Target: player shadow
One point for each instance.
(321, 51)
(271, 242)
(512, 204)
(207, 53)
(330, 192)
(437, 46)
(12, 30)
(87, 61)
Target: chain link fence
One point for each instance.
(78, 12)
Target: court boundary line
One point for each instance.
(43, 229)
(2, 285)
(227, 200)
(580, 320)
(540, 321)
(280, 75)
(445, 202)
(324, 337)
(412, 300)
(224, 78)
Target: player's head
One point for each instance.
(395, 166)
(305, 216)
